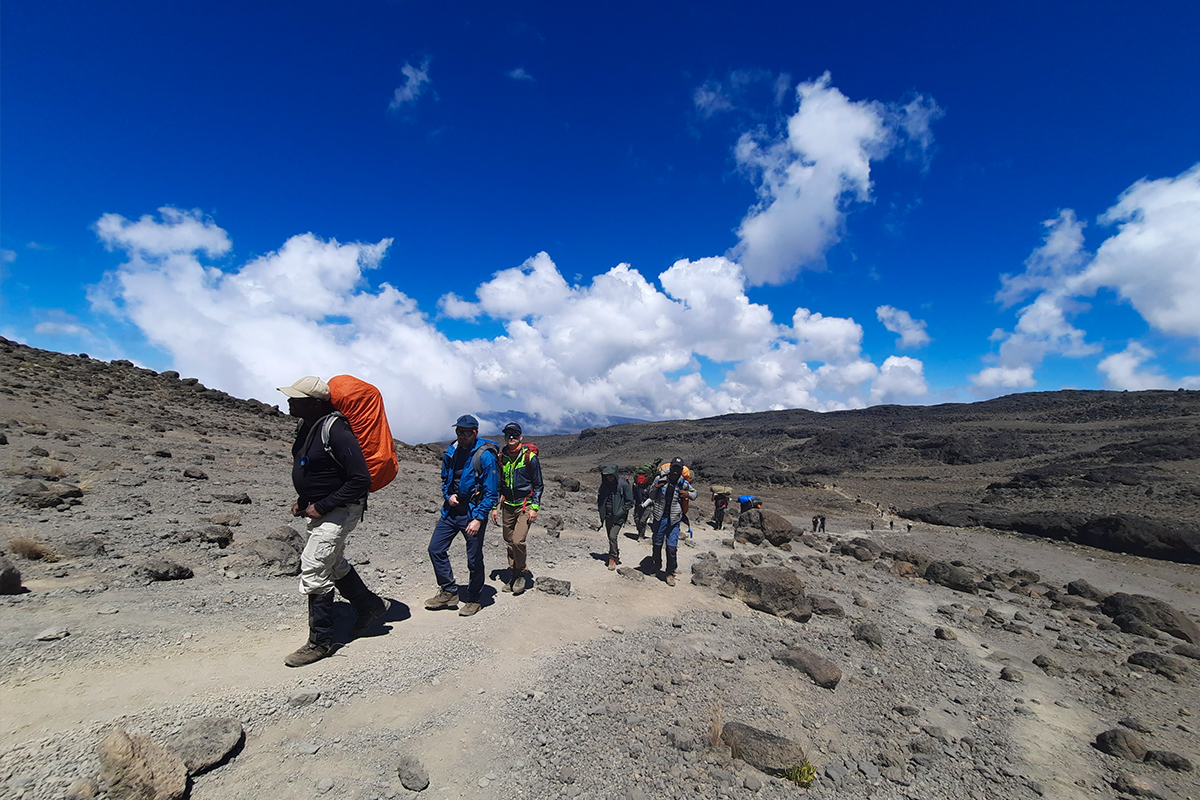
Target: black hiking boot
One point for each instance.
(320, 632)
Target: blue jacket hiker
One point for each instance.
(469, 492)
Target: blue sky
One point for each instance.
(610, 210)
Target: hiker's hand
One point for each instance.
(473, 527)
(295, 509)
(312, 513)
(495, 516)
(452, 500)
(532, 514)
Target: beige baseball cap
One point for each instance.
(308, 386)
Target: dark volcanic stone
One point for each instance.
(756, 526)
(706, 570)
(824, 673)
(550, 585)
(1169, 760)
(1171, 668)
(1122, 744)
(207, 742)
(775, 590)
(764, 751)
(1085, 590)
(160, 569)
(826, 606)
(1186, 650)
(868, 633)
(958, 578)
(1154, 613)
(10, 577)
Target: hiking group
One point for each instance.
(344, 450)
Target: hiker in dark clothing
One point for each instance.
(331, 487)
(821, 523)
(720, 503)
(613, 500)
(667, 494)
(641, 511)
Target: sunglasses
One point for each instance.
(512, 436)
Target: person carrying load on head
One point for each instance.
(520, 499)
(720, 498)
(469, 492)
(614, 498)
(670, 495)
(332, 479)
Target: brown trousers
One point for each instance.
(515, 524)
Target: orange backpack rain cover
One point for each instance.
(363, 406)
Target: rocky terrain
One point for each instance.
(142, 641)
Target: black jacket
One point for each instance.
(326, 482)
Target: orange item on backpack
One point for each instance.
(362, 405)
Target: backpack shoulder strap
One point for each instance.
(327, 423)
(477, 456)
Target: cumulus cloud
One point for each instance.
(177, 231)
(911, 331)
(1152, 262)
(519, 74)
(618, 344)
(1124, 370)
(711, 98)
(807, 176)
(61, 323)
(416, 80)
(1019, 377)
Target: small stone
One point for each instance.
(1011, 674)
(412, 773)
(197, 474)
(52, 634)
(945, 634)
(752, 782)
(324, 785)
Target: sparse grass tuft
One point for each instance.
(30, 548)
(715, 725)
(88, 483)
(55, 471)
(802, 774)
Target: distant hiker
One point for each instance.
(720, 503)
(669, 494)
(891, 524)
(614, 498)
(815, 520)
(331, 493)
(910, 527)
(641, 511)
(821, 523)
(469, 492)
(521, 496)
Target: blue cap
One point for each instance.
(467, 421)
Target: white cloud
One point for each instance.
(617, 345)
(1019, 377)
(806, 177)
(911, 331)
(7, 256)
(711, 98)
(179, 231)
(1123, 370)
(60, 323)
(1152, 261)
(416, 79)
(519, 74)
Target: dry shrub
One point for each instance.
(55, 471)
(30, 548)
(715, 725)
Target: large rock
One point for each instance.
(765, 751)
(278, 554)
(412, 774)
(756, 526)
(83, 545)
(706, 570)
(1122, 744)
(958, 578)
(135, 767)
(1152, 612)
(207, 742)
(1085, 590)
(861, 548)
(1170, 668)
(824, 673)
(161, 569)
(545, 583)
(775, 590)
(10, 577)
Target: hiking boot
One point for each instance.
(367, 621)
(469, 609)
(307, 654)
(612, 562)
(442, 599)
(518, 586)
(670, 579)
(508, 587)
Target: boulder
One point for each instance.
(10, 577)
(207, 742)
(756, 526)
(83, 545)
(958, 578)
(1152, 612)
(412, 773)
(824, 673)
(1085, 590)
(1187, 651)
(706, 570)
(219, 535)
(861, 548)
(1136, 786)
(826, 606)
(135, 767)
(160, 569)
(1049, 666)
(764, 751)
(775, 590)
(868, 633)
(1122, 744)
(1170, 668)
(550, 585)
(1169, 759)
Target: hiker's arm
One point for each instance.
(447, 474)
(358, 478)
(491, 489)
(691, 492)
(535, 480)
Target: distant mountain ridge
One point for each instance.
(536, 425)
